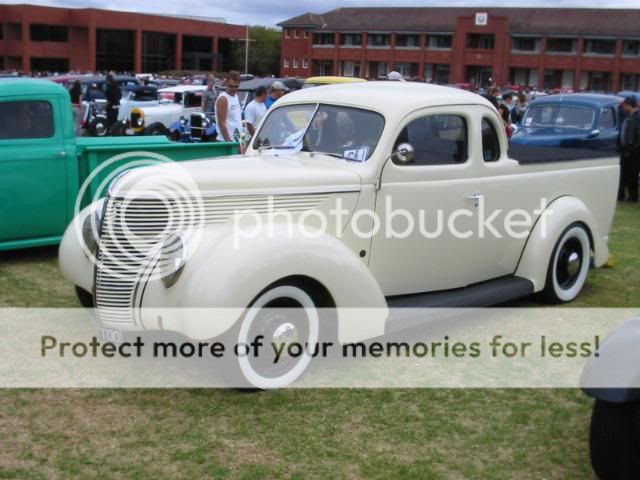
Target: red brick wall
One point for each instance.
(80, 50)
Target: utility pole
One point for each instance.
(246, 52)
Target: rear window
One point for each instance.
(556, 116)
(28, 119)
(607, 119)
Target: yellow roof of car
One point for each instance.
(329, 79)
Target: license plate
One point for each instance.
(112, 335)
(129, 131)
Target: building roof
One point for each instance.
(567, 21)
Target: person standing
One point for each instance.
(113, 95)
(228, 111)
(76, 104)
(276, 90)
(209, 97)
(255, 110)
(630, 150)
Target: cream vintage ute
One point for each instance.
(376, 195)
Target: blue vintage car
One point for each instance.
(573, 121)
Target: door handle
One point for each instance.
(61, 154)
(476, 197)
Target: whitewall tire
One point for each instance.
(568, 266)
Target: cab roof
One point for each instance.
(29, 86)
(591, 99)
(386, 95)
(183, 88)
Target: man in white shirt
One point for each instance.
(228, 114)
(255, 110)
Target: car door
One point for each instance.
(451, 188)
(33, 168)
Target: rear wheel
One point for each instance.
(284, 319)
(614, 440)
(569, 265)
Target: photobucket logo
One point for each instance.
(391, 223)
(150, 221)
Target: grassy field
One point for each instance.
(532, 434)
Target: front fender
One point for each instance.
(227, 272)
(560, 213)
(614, 376)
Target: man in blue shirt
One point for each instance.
(276, 90)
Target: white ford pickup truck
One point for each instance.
(401, 195)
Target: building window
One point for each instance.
(631, 48)
(379, 40)
(407, 41)
(47, 64)
(306, 34)
(296, 33)
(562, 79)
(376, 70)
(437, 73)
(407, 69)
(526, 44)
(286, 33)
(158, 51)
(295, 63)
(285, 63)
(323, 39)
(527, 77)
(115, 50)
(440, 41)
(351, 39)
(1, 31)
(351, 69)
(561, 45)
(48, 33)
(599, 47)
(305, 63)
(630, 81)
(480, 41)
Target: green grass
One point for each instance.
(530, 434)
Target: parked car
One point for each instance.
(174, 104)
(361, 146)
(198, 127)
(43, 164)
(612, 379)
(582, 121)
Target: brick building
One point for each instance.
(582, 49)
(59, 39)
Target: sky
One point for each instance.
(269, 13)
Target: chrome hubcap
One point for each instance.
(286, 334)
(573, 264)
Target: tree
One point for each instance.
(264, 52)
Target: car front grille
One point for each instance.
(133, 229)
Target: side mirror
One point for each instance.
(594, 134)
(405, 153)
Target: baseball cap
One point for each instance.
(397, 76)
(278, 85)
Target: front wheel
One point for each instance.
(614, 440)
(283, 319)
(156, 128)
(568, 266)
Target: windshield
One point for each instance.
(345, 132)
(556, 116)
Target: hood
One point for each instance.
(241, 174)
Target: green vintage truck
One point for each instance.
(43, 164)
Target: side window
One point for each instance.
(192, 100)
(436, 139)
(607, 119)
(28, 119)
(490, 142)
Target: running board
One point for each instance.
(479, 295)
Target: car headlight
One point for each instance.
(183, 121)
(140, 121)
(91, 231)
(173, 257)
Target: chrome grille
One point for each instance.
(132, 229)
